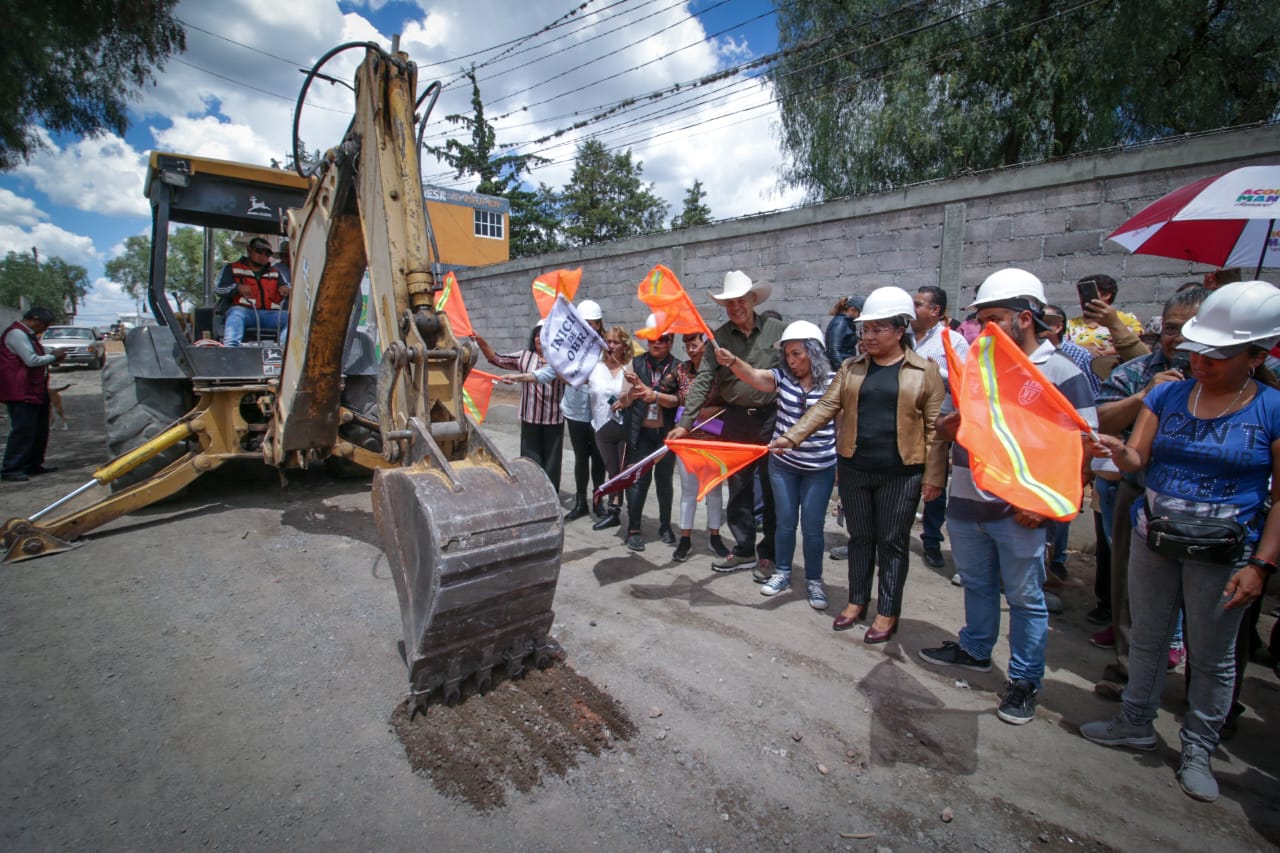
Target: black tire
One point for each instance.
(138, 410)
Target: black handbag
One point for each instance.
(1207, 540)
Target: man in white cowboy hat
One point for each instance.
(748, 416)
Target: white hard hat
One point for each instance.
(1009, 283)
(884, 303)
(650, 330)
(589, 310)
(800, 330)
(1233, 317)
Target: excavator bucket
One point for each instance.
(475, 553)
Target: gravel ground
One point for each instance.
(221, 672)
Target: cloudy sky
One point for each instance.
(542, 66)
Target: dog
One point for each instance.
(55, 400)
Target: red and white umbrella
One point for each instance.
(1227, 220)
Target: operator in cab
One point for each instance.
(254, 292)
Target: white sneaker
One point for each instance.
(956, 580)
(776, 584)
(817, 596)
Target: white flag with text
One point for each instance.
(569, 345)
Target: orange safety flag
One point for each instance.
(713, 462)
(672, 308)
(549, 285)
(449, 300)
(1022, 434)
(476, 392)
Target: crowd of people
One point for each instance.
(1179, 472)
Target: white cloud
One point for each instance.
(721, 134)
(51, 240)
(18, 211)
(103, 174)
(209, 137)
(104, 301)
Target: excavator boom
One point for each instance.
(473, 539)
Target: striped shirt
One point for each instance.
(539, 404)
(929, 345)
(966, 502)
(818, 451)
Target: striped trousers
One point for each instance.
(879, 510)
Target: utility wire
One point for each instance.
(899, 68)
(253, 87)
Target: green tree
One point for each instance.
(695, 212)
(877, 93)
(184, 268)
(74, 66)
(605, 199)
(309, 158)
(53, 283)
(500, 175)
(535, 221)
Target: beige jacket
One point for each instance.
(920, 393)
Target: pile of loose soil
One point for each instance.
(520, 731)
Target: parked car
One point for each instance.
(79, 342)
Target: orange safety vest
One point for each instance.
(266, 285)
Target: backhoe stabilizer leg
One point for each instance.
(23, 540)
(475, 557)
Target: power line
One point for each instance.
(899, 68)
(253, 87)
(614, 106)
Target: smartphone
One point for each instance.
(1088, 290)
(1181, 362)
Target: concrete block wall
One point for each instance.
(1050, 218)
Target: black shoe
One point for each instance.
(1099, 615)
(933, 556)
(1019, 703)
(950, 654)
(579, 509)
(635, 542)
(15, 477)
(600, 508)
(42, 469)
(610, 520)
(665, 534)
(717, 546)
(682, 550)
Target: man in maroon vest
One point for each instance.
(255, 292)
(24, 388)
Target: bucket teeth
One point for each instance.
(475, 558)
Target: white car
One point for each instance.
(79, 343)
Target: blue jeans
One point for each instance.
(238, 317)
(1158, 586)
(989, 553)
(800, 497)
(1058, 537)
(1106, 492)
(933, 514)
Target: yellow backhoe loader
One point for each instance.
(473, 538)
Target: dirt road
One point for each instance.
(221, 672)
